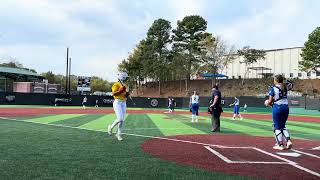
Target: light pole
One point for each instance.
(67, 68)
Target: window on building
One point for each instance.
(239, 77)
(317, 73)
(299, 74)
(291, 74)
(308, 74)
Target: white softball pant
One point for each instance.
(119, 107)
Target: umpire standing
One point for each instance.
(216, 109)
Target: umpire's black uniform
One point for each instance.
(216, 110)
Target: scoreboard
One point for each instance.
(84, 83)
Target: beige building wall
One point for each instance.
(280, 61)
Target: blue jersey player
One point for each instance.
(280, 112)
(236, 112)
(194, 106)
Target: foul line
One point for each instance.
(175, 140)
(305, 153)
(157, 129)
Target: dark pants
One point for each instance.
(215, 121)
(215, 118)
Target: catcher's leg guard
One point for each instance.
(278, 136)
(286, 134)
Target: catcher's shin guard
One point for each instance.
(286, 134)
(278, 136)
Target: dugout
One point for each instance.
(10, 75)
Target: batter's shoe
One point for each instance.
(119, 137)
(109, 130)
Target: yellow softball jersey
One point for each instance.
(116, 87)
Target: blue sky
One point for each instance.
(100, 33)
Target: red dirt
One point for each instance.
(196, 155)
(21, 112)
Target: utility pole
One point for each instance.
(69, 76)
(66, 88)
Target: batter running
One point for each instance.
(119, 93)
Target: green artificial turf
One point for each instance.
(36, 151)
(29, 150)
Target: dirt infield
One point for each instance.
(24, 112)
(240, 155)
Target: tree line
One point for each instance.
(177, 54)
(13, 63)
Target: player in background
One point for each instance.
(194, 106)
(174, 104)
(236, 108)
(119, 93)
(170, 105)
(280, 112)
(84, 102)
(97, 103)
(245, 108)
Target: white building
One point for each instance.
(277, 61)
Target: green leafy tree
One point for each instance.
(134, 65)
(99, 84)
(13, 63)
(186, 42)
(216, 55)
(311, 53)
(157, 41)
(50, 77)
(151, 56)
(250, 56)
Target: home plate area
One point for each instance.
(239, 155)
(243, 155)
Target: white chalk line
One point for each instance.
(175, 140)
(6, 118)
(227, 160)
(158, 129)
(316, 148)
(305, 153)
